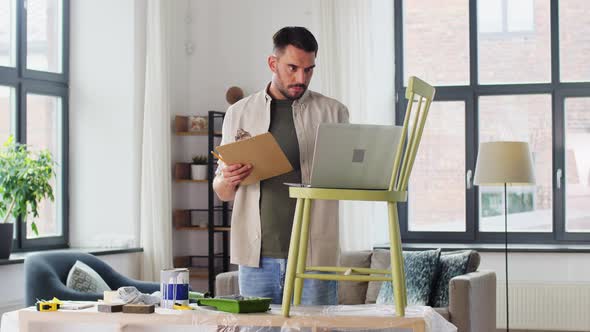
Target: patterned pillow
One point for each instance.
(83, 278)
(452, 264)
(420, 268)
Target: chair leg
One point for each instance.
(397, 268)
(302, 255)
(292, 258)
(400, 253)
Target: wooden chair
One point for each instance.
(397, 192)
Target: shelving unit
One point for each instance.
(216, 260)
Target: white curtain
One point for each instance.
(156, 213)
(356, 66)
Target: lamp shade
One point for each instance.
(500, 163)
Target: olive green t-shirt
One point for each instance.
(276, 208)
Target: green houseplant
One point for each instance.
(24, 182)
(199, 167)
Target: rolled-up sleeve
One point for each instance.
(344, 118)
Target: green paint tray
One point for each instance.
(237, 304)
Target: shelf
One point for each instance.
(201, 228)
(198, 273)
(181, 126)
(215, 209)
(196, 133)
(183, 220)
(190, 181)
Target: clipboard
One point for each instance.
(262, 151)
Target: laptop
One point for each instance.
(353, 156)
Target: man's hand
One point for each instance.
(231, 176)
(234, 174)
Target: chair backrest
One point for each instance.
(402, 167)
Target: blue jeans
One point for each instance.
(268, 281)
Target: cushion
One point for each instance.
(421, 268)
(353, 292)
(83, 278)
(379, 260)
(452, 264)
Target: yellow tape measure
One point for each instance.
(178, 306)
(47, 306)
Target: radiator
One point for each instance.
(544, 306)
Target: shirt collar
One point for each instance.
(301, 101)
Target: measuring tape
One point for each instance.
(47, 306)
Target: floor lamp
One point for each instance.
(503, 164)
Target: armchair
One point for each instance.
(46, 274)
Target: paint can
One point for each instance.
(174, 287)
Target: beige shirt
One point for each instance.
(251, 115)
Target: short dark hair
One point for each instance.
(299, 37)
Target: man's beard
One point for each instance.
(286, 93)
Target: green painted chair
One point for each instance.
(397, 192)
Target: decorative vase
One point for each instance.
(199, 172)
(6, 230)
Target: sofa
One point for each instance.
(471, 298)
(46, 274)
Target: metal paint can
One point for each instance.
(174, 287)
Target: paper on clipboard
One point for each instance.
(262, 151)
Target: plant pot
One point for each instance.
(199, 172)
(6, 240)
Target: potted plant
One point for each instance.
(199, 167)
(24, 182)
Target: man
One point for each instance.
(262, 214)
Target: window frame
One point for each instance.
(470, 95)
(25, 81)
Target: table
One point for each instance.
(312, 318)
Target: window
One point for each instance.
(505, 16)
(519, 118)
(44, 35)
(43, 132)
(33, 102)
(574, 19)
(427, 45)
(522, 75)
(577, 164)
(441, 167)
(7, 111)
(7, 33)
(512, 36)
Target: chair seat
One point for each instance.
(348, 194)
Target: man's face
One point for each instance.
(293, 69)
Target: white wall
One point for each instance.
(232, 41)
(104, 130)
